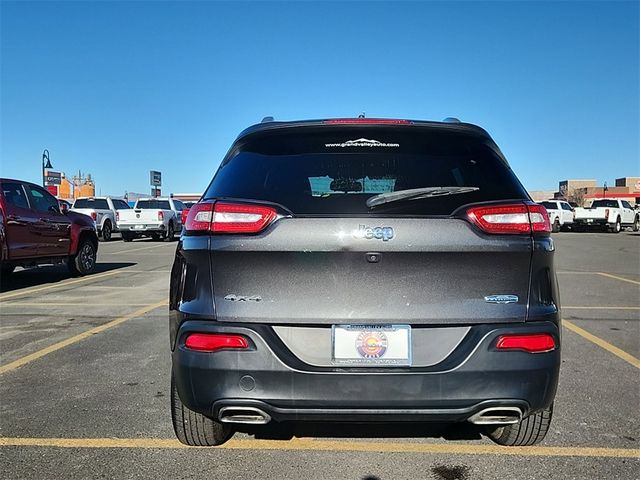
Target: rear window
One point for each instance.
(604, 204)
(120, 204)
(549, 205)
(95, 203)
(153, 204)
(333, 171)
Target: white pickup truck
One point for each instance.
(608, 214)
(159, 218)
(103, 210)
(561, 214)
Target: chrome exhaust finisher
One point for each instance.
(246, 415)
(497, 416)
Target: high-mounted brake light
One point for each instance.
(517, 218)
(535, 343)
(211, 342)
(385, 121)
(229, 217)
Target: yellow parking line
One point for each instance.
(27, 291)
(619, 278)
(582, 307)
(602, 343)
(69, 341)
(329, 445)
(134, 249)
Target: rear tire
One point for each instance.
(636, 224)
(193, 428)
(556, 226)
(106, 231)
(84, 261)
(126, 237)
(170, 233)
(529, 431)
(617, 227)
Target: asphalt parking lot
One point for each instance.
(84, 390)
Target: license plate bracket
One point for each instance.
(371, 345)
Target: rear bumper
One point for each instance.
(591, 222)
(146, 227)
(475, 376)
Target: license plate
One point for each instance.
(589, 220)
(138, 227)
(371, 345)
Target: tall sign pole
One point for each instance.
(45, 156)
(155, 180)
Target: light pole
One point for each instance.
(45, 155)
(604, 190)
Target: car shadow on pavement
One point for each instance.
(42, 275)
(446, 431)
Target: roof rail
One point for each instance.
(267, 119)
(451, 120)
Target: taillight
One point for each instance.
(535, 343)
(117, 216)
(229, 217)
(383, 121)
(94, 216)
(606, 214)
(183, 218)
(160, 215)
(517, 218)
(211, 342)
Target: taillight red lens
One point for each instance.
(94, 216)
(211, 342)
(117, 216)
(384, 121)
(539, 218)
(238, 218)
(517, 218)
(536, 343)
(199, 218)
(229, 217)
(160, 215)
(183, 218)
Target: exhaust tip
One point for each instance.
(245, 415)
(497, 416)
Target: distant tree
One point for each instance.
(577, 196)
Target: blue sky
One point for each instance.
(118, 88)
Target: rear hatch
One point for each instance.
(341, 249)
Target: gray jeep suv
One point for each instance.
(364, 270)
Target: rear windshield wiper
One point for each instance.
(416, 194)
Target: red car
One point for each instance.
(35, 230)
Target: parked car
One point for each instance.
(362, 270)
(35, 231)
(609, 215)
(159, 218)
(103, 210)
(561, 214)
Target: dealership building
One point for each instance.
(584, 192)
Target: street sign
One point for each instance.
(53, 190)
(155, 178)
(155, 192)
(52, 178)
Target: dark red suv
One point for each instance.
(34, 230)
